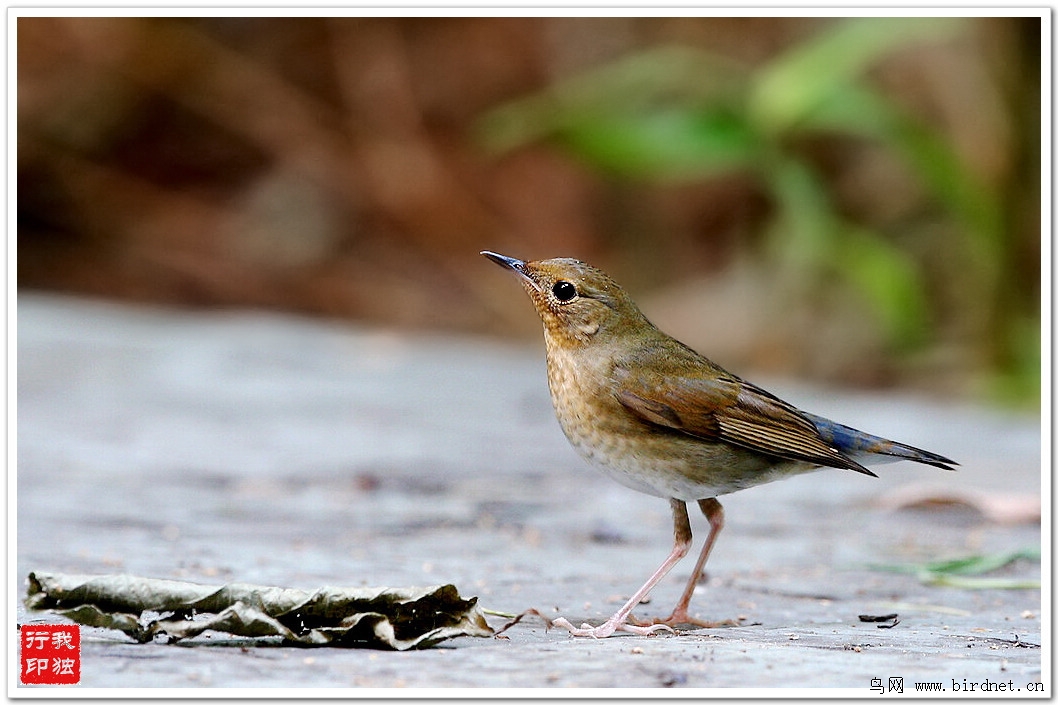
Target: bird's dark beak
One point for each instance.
(504, 261)
(515, 265)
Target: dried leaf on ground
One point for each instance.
(380, 618)
(998, 507)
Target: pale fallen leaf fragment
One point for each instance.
(380, 618)
(998, 507)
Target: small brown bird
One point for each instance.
(659, 418)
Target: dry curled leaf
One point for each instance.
(380, 618)
(998, 507)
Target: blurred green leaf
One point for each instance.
(889, 279)
(933, 162)
(518, 123)
(805, 226)
(930, 157)
(666, 144)
(818, 244)
(858, 110)
(666, 79)
(940, 169)
(818, 70)
(1018, 381)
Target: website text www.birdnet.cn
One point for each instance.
(896, 685)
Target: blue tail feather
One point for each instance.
(856, 443)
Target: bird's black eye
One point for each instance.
(564, 291)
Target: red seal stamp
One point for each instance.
(51, 654)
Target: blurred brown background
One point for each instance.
(354, 168)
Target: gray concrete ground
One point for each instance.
(258, 448)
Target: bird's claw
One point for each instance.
(608, 628)
(683, 619)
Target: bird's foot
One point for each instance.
(608, 627)
(680, 618)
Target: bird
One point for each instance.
(662, 419)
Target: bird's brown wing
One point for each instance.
(719, 407)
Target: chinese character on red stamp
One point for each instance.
(51, 654)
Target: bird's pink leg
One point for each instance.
(714, 512)
(619, 621)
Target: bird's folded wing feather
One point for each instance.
(723, 408)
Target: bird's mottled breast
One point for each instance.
(598, 427)
(580, 380)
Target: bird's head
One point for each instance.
(577, 302)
